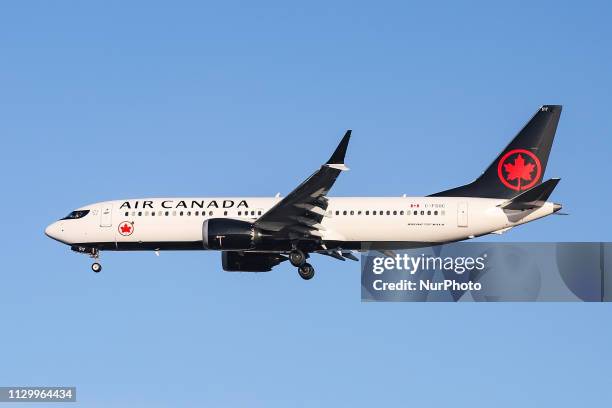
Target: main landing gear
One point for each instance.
(298, 259)
(306, 271)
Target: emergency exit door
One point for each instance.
(462, 214)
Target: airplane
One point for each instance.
(256, 234)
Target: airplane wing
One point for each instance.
(300, 213)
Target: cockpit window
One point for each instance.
(76, 214)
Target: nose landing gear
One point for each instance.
(93, 253)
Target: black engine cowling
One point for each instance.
(228, 234)
(250, 262)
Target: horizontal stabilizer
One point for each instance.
(533, 198)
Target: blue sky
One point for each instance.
(112, 100)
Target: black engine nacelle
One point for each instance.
(250, 262)
(226, 234)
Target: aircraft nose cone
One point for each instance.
(53, 231)
(49, 231)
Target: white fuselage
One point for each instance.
(378, 222)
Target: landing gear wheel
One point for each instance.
(297, 258)
(96, 267)
(306, 271)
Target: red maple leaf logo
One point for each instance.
(126, 228)
(519, 170)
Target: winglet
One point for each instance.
(338, 156)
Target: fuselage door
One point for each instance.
(106, 215)
(462, 214)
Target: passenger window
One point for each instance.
(402, 212)
(422, 212)
(152, 213)
(367, 212)
(436, 212)
(259, 212)
(373, 212)
(224, 213)
(428, 212)
(416, 213)
(337, 212)
(167, 213)
(197, 213)
(211, 213)
(188, 212)
(140, 213)
(352, 212)
(388, 212)
(126, 213)
(181, 213)
(394, 212)
(239, 213)
(343, 212)
(358, 212)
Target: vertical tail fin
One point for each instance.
(521, 165)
